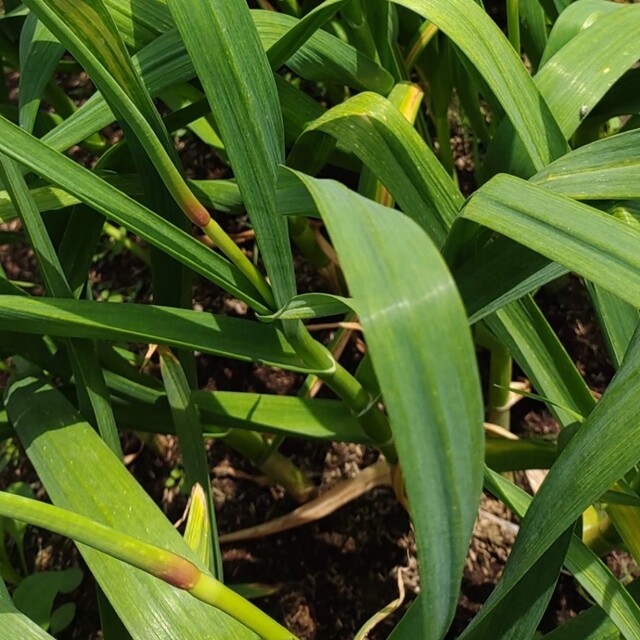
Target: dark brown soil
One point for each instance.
(333, 574)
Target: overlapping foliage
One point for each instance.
(551, 111)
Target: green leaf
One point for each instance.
(81, 474)
(581, 238)
(534, 29)
(389, 145)
(324, 58)
(39, 55)
(115, 205)
(288, 415)
(13, 623)
(618, 321)
(590, 572)
(254, 590)
(279, 52)
(197, 532)
(194, 456)
(14, 528)
(430, 390)
(607, 169)
(225, 50)
(310, 305)
(62, 617)
(577, 17)
(34, 596)
(50, 198)
(92, 391)
(139, 21)
(572, 88)
(150, 325)
(488, 50)
(499, 273)
(524, 330)
(78, 23)
(606, 445)
(110, 623)
(164, 63)
(592, 624)
(513, 455)
(621, 99)
(517, 616)
(618, 497)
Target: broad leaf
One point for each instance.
(430, 389)
(82, 475)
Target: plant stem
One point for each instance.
(513, 24)
(209, 590)
(373, 421)
(215, 233)
(166, 565)
(302, 235)
(500, 372)
(278, 468)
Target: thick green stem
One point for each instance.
(373, 421)
(500, 380)
(166, 565)
(500, 373)
(209, 590)
(302, 235)
(277, 467)
(161, 563)
(354, 14)
(215, 233)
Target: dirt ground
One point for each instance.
(329, 576)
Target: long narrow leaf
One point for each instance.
(581, 238)
(387, 143)
(80, 474)
(79, 23)
(39, 54)
(194, 456)
(430, 390)
(115, 205)
(224, 47)
(13, 623)
(591, 573)
(608, 169)
(165, 63)
(607, 445)
(482, 42)
(525, 331)
(149, 324)
(92, 390)
(572, 88)
(279, 52)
